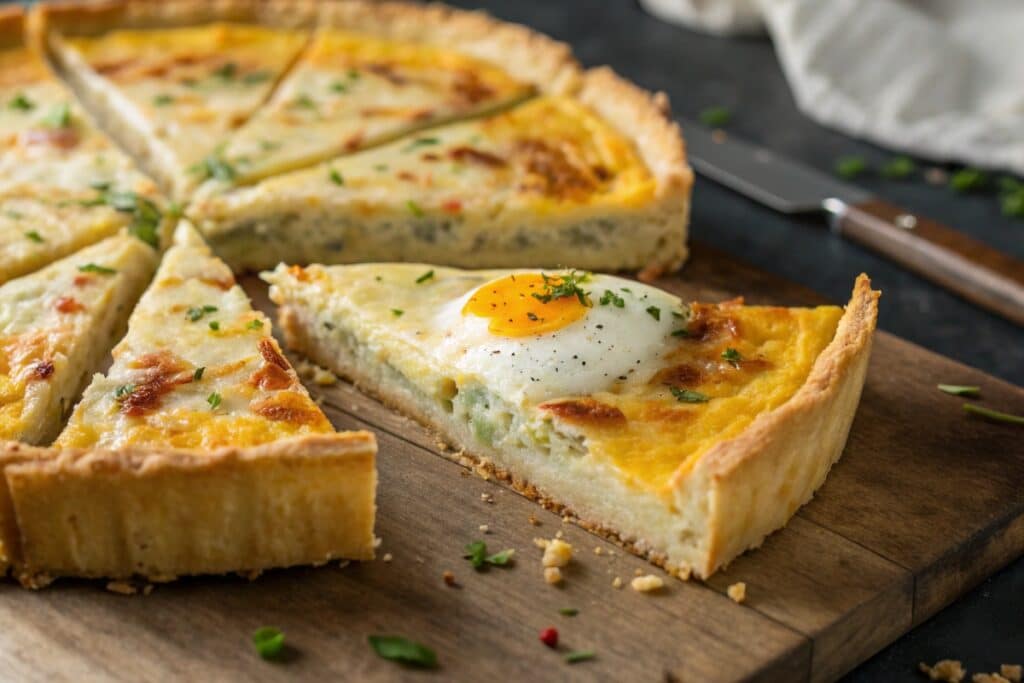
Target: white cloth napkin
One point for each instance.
(940, 79)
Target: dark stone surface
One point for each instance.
(986, 627)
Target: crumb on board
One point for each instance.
(989, 678)
(936, 176)
(552, 575)
(1012, 672)
(121, 588)
(598, 550)
(949, 670)
(344, 563)
(387, 557)
(616, 582)
(638, 572)
(646, 584)
(449, 579)
(737, 592)
(533, 521)
(484, 529)
(487, 498)
(718, 136)
(557, 553)
(682, 572)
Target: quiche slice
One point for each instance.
(57, 324)
(375, 71)
(198, 452)
(686, 431)
(57, 170)
(553, 181)
(173, 79)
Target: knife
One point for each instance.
(964, 266)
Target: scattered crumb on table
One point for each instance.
(737, 591)
(949, 670)
(646, 584)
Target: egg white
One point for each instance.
(608, 346)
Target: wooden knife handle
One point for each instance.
(964, 266)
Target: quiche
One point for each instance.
(686, 431)
(598, 179)
(375, 71)
(198, 452)
(173, 79)
(57, 170)
(57, 324)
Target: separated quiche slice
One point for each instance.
(375, 71)
(555, 180)
(173, 79)
(63, 184)
(686, 431)
(57, 324)
(198, 452)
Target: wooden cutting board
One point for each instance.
(925, 503)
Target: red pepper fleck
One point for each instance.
(549, 637)
(67, 304)
(452, 206)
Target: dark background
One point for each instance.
(986, 627)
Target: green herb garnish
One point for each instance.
(568, 611)
(397, 312)
(59, 116)
(124, 391)
(968, 180)
(227, 71)
(476, 553)
(21, 103)
(688, 396)
(336, 177)
(93, 268)
(214, 325)
(960, 390)
(194, 313)
(500, 559)
(898, 168)
(214, 400)
(579, 656)
(733, 356)
(995, 415)
(716, 117)
(851, 166)
(256, 77)
(420, 142)
(415, 209)
(254, 324)
(14, 215)
(339, 87)
(681, 333)
(213, 166)
(610, 297)
(198, 374)
(654, 312)
(399, 649)
(426, 276)
(269, 642)
(304, 101)
(34, 236)
(1013, 204)
(163, 99)
(564, 286)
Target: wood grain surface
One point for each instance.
(926, 502)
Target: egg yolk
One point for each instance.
(522, 305)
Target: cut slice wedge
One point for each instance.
(56, 167)
(198, 452)
(555, 180)
(376, 71)
(688, 433)
(57, 324)
(173, 79)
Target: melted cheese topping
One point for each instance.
(715, 368)
(44, 316)
(197, 369)
(351, 91)
(191, 86)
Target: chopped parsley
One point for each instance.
(610, 297)
(339, 87)
(429, 275)
(214, 400)
(335, 177)
(124, 391)
(733, 356)
(688, 396)
(898, 168)
(34, 236)
(198, 374)
(476, 553)
(59, 116)
(227, 71)
(21, 103)
(397, 312)
(255, 77)
(146, 216)
(14, 215)
(960, 390)
(654, 312)
(194, 313)
(304, 101)
(681, 333)
(850, 166)
(268, 641)
(93, 268)
(995, 415)
(568, 611)
(968, 180)
(214, 325)
(420, 142)
(500, 559)
(403, 650)
(213, 166)
(380, 168)
(1011, 197)
(269, 145)
(564, 286)
(163, 99)
(254, 324)
(415, 209)
(579, 656)
(716, 117)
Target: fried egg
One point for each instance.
(542, 336)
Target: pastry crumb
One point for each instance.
(988, 678)
(484, 529)
(387, 557)
(566, 519)
(718, 136)
(552, 575)
(737, 592)
(949, 670)
(487, 498)
(598, 550)
(533, 521)
(449, 579)
(1012, 672)
(121, 588)
(682, 572)
(638, 572)
(147, 589)
(557, 553)
(344, 563)
(936, 176)
(540, 543)
(616, 582)
(558, 534)
(646, 584)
